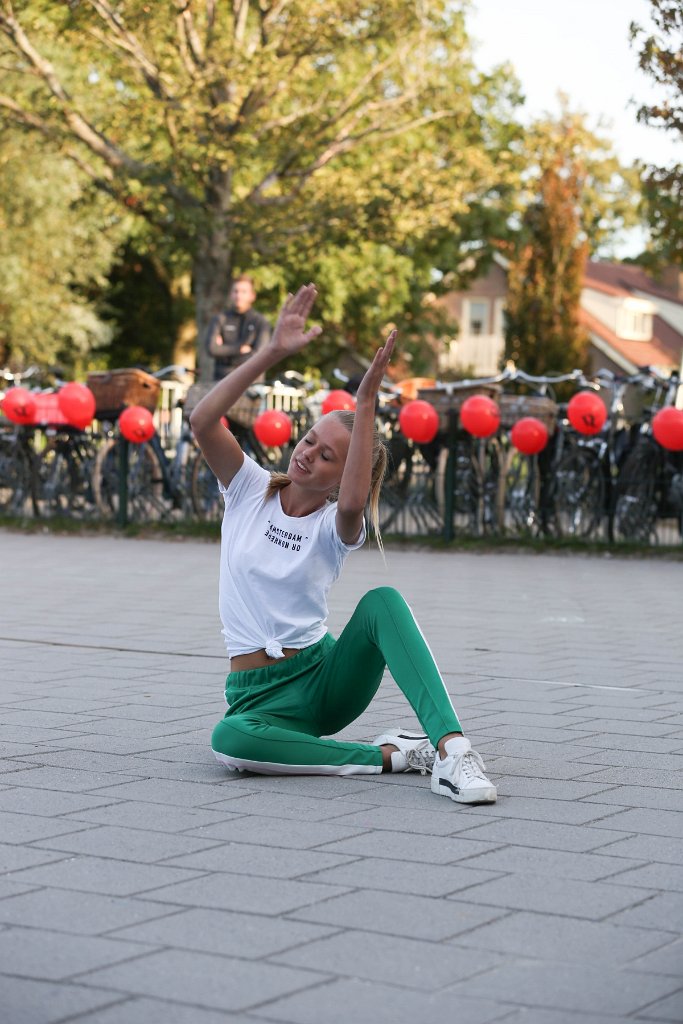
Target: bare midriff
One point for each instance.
(259, 659)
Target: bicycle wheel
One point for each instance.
(522, 494)
(578, 494)
(635, 505)
(207, 503)
(478, 483)
(146, 502)
(17, 477)
(64, 479)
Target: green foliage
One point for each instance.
(661, 57)
(542, 332)
(54, 249)
(608, 193)
(303, 134)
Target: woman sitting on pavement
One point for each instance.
(285, 538)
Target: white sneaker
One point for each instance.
(460, 775)
(415, 752)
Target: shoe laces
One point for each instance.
(472, 766)
(421, 761)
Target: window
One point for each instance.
(478, 318)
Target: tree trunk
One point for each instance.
(212, 265)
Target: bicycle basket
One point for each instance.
(115, 389)
(516, 407)
(243, 412)
(445, 401)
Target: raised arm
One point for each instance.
(219, 447)
(356, 478)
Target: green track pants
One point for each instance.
(278, 714)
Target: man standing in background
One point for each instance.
(238, 331)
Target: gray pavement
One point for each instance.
(140, 882)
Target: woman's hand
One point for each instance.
(374, 375)
(289, 335)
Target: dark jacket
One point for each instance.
(228, 332)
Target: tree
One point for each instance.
(661, 57)
(575, 199)
(55, 249)
(241, 132)
(542, 331)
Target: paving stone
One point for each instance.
(410, 916)
(661, 849)
(259, 895)
(556, 895)
(126, 844)
(662, 910)
(225, 932)
(666, 959)
(109, 877)
(165, 791)
(650, 822)
(365, 1002)
(25, 1001)
(670, 1009)
(285, 832)
(87, 914)
(393, 960)
(554, 938)
(590, 989)
(47, 803)
(203, 979)
(410, 821)
(652, 876)
(527, 860)
(400, 876)
(399, 846)
(66, 780)
(113, 694)
(542, 835)
(152, 817)
(54, 956)
(157, 1011)
(26, 828)
(282, 805)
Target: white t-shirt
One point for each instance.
(275, 570)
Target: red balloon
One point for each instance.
(419, 421)
(48, 410)
(587, 413)
(136, 424)
(529, 435)
(273, 428)
(19, 405)
(338, 400)
(667, 426)
(480, 416)
(77, 402)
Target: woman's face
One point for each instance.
(318, 460)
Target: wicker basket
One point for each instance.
(516, 407)
(244, 411)
(445, 401)
(115, 389)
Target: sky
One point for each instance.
(582, 48)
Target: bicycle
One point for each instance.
(157, 483)
(18, 464)
(583, 469)
(650, 485)
(526, 476)
(469, 471)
